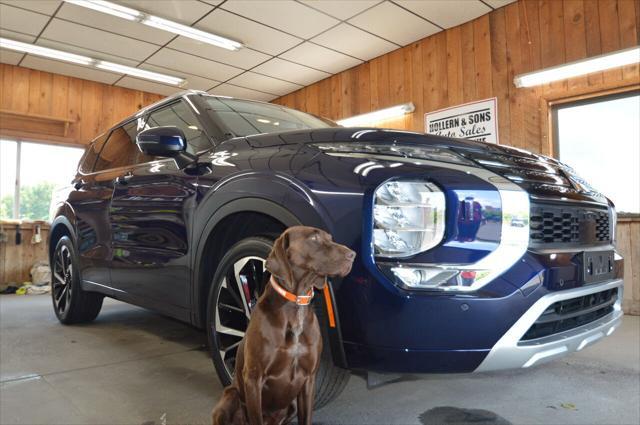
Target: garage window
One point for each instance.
(30, 174)
(600, 139)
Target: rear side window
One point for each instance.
(180, 115)
(121, 149)
(89, 159)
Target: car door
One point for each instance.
(150, 209)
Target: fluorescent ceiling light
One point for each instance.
(157, 22)
(44, 51)
(578, 68)
(380, 115)
(137, 72)
(108, 7)
(33, 49)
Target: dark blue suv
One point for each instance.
(471, 256)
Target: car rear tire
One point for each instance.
(241, 272)
(71, 303)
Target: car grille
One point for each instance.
(569, 314)
(564, 224)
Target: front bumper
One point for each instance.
(510, 352)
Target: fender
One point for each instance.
(63, 221)
(280, 197)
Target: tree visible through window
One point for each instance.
(42, 169)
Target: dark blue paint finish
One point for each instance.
(141, 232)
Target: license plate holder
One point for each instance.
(596, 266)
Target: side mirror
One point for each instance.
(166, 141)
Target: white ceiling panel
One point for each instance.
(244, 58)
(355, 42)
(85, 52)
(82, 15)
(498, 3)
(447, 13)
(18, 36)
(144, 85)
(46, 7)
(252, 34)
(341, 9)
(254, 81)
(178, 61)
(290, 71)
(193, 81)
(376, 20)
(241, 93)
(100, 41)
(71, 70)
(15, 19)
(10, 56)
(319, 57)
(183, 11)
(286, 15)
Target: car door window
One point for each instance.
(121, 149)
(179, 114)
(89, 159)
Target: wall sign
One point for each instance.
(475, 120)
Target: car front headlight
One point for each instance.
(408, 218)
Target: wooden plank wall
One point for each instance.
(92, 106)
(16, 260)
(479, 59)
(628, 243)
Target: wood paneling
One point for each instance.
(479, 59)
(628, 243)
(88, 106)
(16, 260)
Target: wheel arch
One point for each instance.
(60, 226)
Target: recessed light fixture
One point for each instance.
(157, 22)
(85, 60)
(578, 68)
(380, 115)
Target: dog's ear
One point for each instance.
(278, 260)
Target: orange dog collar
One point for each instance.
(298, 299)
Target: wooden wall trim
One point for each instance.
(87, 106)
(479, 59)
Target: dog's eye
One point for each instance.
(314, 237)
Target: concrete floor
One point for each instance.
(132, 366)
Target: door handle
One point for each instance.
(124, 179)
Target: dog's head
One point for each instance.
(302, 253)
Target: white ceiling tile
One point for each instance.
(10, 56)
(341, 9)
(254, 81)
(46, 7)
(14, 19)
(184, 11)
(244, 58)
(447, 13)
(290, 71)
(83, 15)
(252, 34)
(286, 15)
(69, 69)
(85, 52)
(100, 41)
(172, 59)
(212, 2)
(376, 20)
(319, 57)
(241, 93)
(498, 3)
(193, 81)
(148, 86)
(355, 42)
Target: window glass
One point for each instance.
(43, 170)
(89, 158)
(121, 149)
(242, 117)
(179, 114)
(600, 139)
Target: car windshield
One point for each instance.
(244, 117)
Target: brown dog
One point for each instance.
(279, 356)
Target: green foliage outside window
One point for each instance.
(34, 202)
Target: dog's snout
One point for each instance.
(350, 255)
